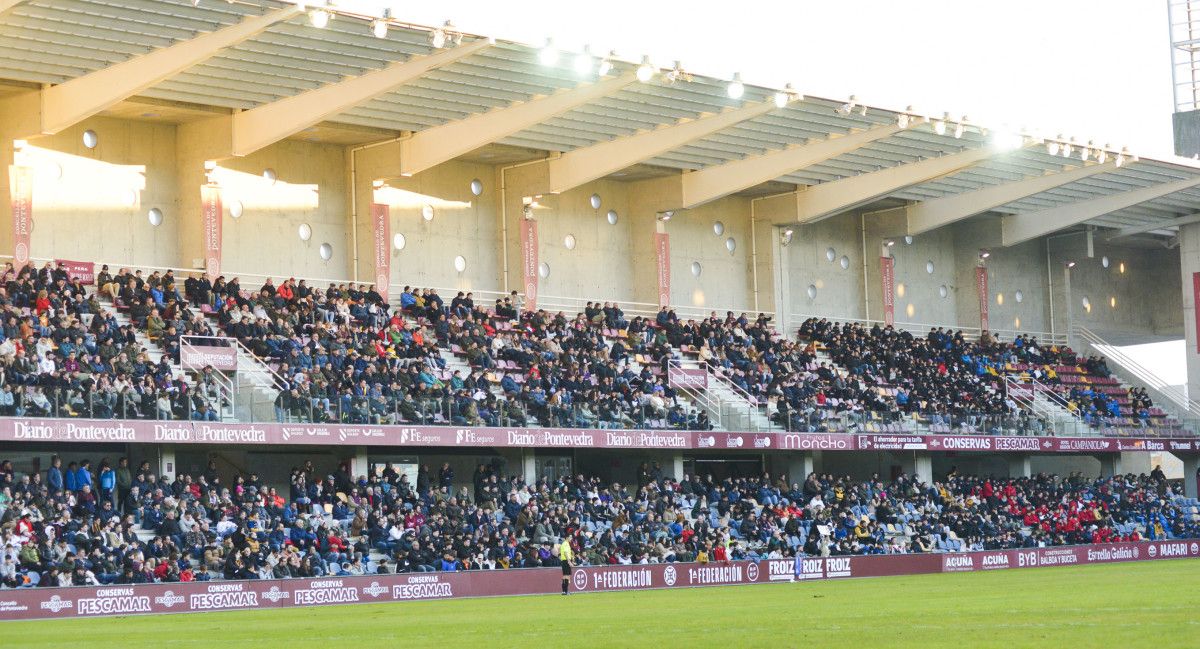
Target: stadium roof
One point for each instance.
(552, 109)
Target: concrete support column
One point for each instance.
(646, 200)
(818, 460)
(1191, 481)
(359, 464)
(799, 466)
(923, 467)
(772, 273)
(192, 149)
(6, 159)
(1110, 464)
(1189, 261)
(1019, 466)
(677, 466)
(528, 465)
(166, 461)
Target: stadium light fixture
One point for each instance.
(1006, 140)
(984, 253)
(1120, 161)
(939, 125)
(787, 96)
(1086, 151)
(584, 62)
(960, 128)
(379, 28)
(319, 18)
(1053, 146)
(736, 88)
(1067, 147)
(439, 36)
(665, 216)
(905, 118)
(1071, 264)
(606, 64)
(645, 71)
(548, 55)
(1102, 154)
(845, 108)
(677, 73)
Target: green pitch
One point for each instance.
(1154, 604)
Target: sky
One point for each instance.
(1167, 359)
(1092, 69)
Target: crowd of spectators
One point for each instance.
(63, 355)
(940, 378)
(342, 354)
(115, 524)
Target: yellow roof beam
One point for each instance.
(55, 108)
(265, 125)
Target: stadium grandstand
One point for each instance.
(316, 296)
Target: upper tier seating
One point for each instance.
(341, 353)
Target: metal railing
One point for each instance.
(732, 412)
(189, 346)
(449, 411)
(739, 410)
(1012, 424)
(922, 328)
(1037, 396)
(1138, 374)
(547, 302)
(1045, 403)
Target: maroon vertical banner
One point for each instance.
(210, 217)
(20, 179)
(887, 275)
(529, 262)
(382, 228)
(1196, 306)
(662, 256)
(981, 286)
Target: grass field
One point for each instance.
(1152, 604)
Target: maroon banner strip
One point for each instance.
(96, 601)
(887, 277)
(382, 231)
(197, 432)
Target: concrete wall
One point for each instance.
(1020, 268)
(918, 295)
(1189, 260)
(310, 187)
(84, 212)
(951, 253)
(463, 225)
(725, 280)
(93, 204)
(1140, 292)
(839, 292)
(598, 267)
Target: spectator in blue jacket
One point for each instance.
(54, 475)
(83, 475)
(108, 482)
